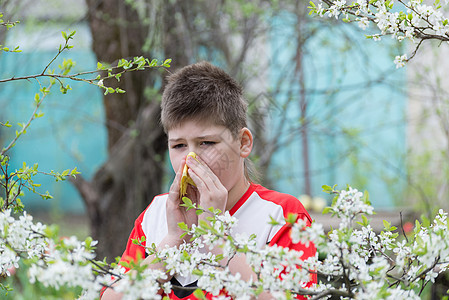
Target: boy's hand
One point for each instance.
(210, 192)
(176, 213)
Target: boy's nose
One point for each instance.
(191, 149)
(194, 149)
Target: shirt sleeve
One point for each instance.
(283, 239)
(133, 251)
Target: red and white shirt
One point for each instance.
(253, 212)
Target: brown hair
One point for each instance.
(203, 91)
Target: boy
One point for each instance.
(203, 111)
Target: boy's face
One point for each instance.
(214, 144)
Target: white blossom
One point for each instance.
(400, 61)
(413, 20)
(363, 23)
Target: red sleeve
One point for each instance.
(132, 251)
(283, 239)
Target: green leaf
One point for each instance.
(365, 198)
(74, 172)
(46, 196)
(7, 124)
(364, 222)
(187, 203)
(52, 231)
(203, 224)
(122, 62)
(219, 257)
(291, 218)
(64, 89)
(387, 224)
(327, 189)
(326, 210)
(425, 221)
(39, 114)
(417, 226)
(259, 290)
(153, 63)
(109, 90)
(273, 221)
(183, 226)
(198, 293)
(197, 272)
(88, 242)
(167, 63)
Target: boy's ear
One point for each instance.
(246, 142)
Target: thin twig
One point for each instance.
(33, 116)
(61, 49)
(402, 227)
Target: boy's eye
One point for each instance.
(208, 143)
(178, 146)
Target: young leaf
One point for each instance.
(199, 294)
(167, 63)
(291, 218)
(273, 221)
(327, 189)
(183, 226)
(326, 210)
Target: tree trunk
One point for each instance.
(133, 173)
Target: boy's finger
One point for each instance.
(202, 175)
(202, 170)
(200, 184)
(199, 166)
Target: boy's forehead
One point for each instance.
(196, 129)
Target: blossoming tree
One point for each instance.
(354, 261)
(357, 262)
(413, 20)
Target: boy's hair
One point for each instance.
(203, 92)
